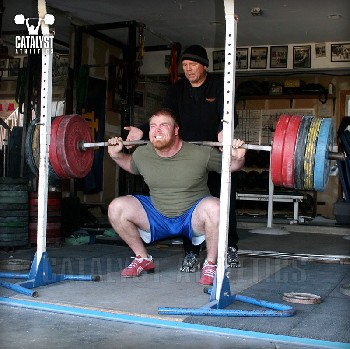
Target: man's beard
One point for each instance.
(161, 144)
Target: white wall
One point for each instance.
(154, 62)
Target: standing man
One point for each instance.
(176, 173)
(198, 103)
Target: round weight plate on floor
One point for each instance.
(54, 160)
(10, 182)
(50, 194)
(300, 152)
(19, 229)
(50, 202)
(288, 151)
(13, 197)
(309, 157)
(14, 239)
(15, 264)
(75, 162)
(277, 149)
(14, 206)
(324, 145)
(13, 187)
(15, 216)
(50, 219)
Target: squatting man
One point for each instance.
(176, 173)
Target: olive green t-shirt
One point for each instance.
(177, 182)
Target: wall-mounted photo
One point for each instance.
(258, 58)
(3, 67)
(278, 56)
(320, 50)
(302, 56)
(241, 58)
(219, 60)
(14, 65)
(340, 52)
(25, 62)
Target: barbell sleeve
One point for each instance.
(336, 156)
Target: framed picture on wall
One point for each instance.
(320, 50)
(3, 67)
(14, 65)
(258, 57)
(219, 60)
(278, 56)
(114, 103)
(340, 52)
(25, 62)
(302, 56)
(241, 58)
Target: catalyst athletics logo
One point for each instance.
(34, 43)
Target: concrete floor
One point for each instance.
(124, 313)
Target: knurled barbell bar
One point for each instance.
(300, 151)
(84, 145)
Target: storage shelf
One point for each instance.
(291, 97)
(284, 96)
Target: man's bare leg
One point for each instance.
(206, 218)
(126, 215)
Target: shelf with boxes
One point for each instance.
(290, 97)
(290, 90)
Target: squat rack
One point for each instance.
(40, 273)
(220, 293)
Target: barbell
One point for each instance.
(300, 150)
(48, 19)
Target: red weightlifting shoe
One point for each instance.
(138, 266)
(208, 273)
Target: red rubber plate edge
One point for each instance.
(54, 161)
(277, 149)
(288, 151)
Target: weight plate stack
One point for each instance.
(299, 152)
(53, 225)
(13, 212)
(324, 145)
(32, 153)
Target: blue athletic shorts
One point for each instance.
(163, 227)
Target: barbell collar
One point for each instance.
(336, 156)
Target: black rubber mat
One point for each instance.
(328, 320)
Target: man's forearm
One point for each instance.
(237, 164)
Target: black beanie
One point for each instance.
(196, 53)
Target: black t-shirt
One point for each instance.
(199, 109)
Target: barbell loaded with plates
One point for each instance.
(300, 151)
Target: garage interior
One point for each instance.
(112, 64)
